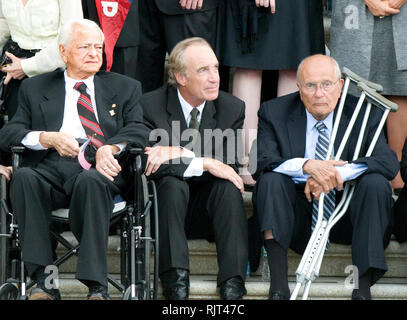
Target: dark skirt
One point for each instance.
(294, 32)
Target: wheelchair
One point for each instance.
(137, 223)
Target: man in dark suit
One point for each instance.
(199, 190)
(290, 176)
(163, 23)
(49, 123)
(126, 48)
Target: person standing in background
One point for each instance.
(29, 37)
(120, 23)
(369, 38)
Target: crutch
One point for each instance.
(308, 269)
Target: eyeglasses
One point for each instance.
(325, 86)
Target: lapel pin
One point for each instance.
(114, 105)
(112, 113)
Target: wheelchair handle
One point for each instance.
(356, 78)
(377, 99)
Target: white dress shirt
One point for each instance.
(36, 26)
(195, 167)
(71, 123)
(293, 167)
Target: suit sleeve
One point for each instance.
(268, 150)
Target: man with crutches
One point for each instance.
(294, 134)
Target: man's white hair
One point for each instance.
(65, 34)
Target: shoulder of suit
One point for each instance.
(226, 100)
(42, 79)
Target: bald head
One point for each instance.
(320, 84)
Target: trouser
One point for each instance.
(59, 182)
(159, 33)
(209, 210)
(283, 208)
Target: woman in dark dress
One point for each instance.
(257, 35)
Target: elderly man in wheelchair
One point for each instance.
(75, 126)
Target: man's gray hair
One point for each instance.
(65, 34)
(176, 59)
(337, 69)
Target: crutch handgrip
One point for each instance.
(356, 78)
(376, 98)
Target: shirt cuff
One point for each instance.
(32, 141)
(187, 153)
(195, 168)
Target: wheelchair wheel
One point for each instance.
(8, 291)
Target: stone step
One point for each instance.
(204, 288)
(203, 259)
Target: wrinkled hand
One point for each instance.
(325, 173)
(396, 4)
(380, 8)
(266, 4)
(106, 163)
(6, 171)
(14, 70)
(223, 171)
(64, 143)
(312, 187)
(191, 4)
(158, 155)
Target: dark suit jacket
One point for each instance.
(281, 136)
(41, 108)
(129, 36)
(161, 107)
(172, 7)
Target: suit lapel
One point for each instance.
(297, 126)
(105, 99)
(174, 110)
(54, 103)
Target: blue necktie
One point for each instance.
(320, 154)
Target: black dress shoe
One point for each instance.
(232, 289)
(98, 292)
(277, 295)
(175, 283)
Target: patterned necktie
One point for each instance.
(320, 154)
(87, 116)
(193, 123)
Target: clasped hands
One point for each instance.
(67, 146)
(157, 155)
(324, 177)
(382, 8)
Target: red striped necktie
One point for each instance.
(87, 116)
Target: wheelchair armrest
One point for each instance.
(17, 152)
(137, 152)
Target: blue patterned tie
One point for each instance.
(320, 154)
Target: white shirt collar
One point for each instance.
(311, 121)
(70, 83)
(187, 108)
